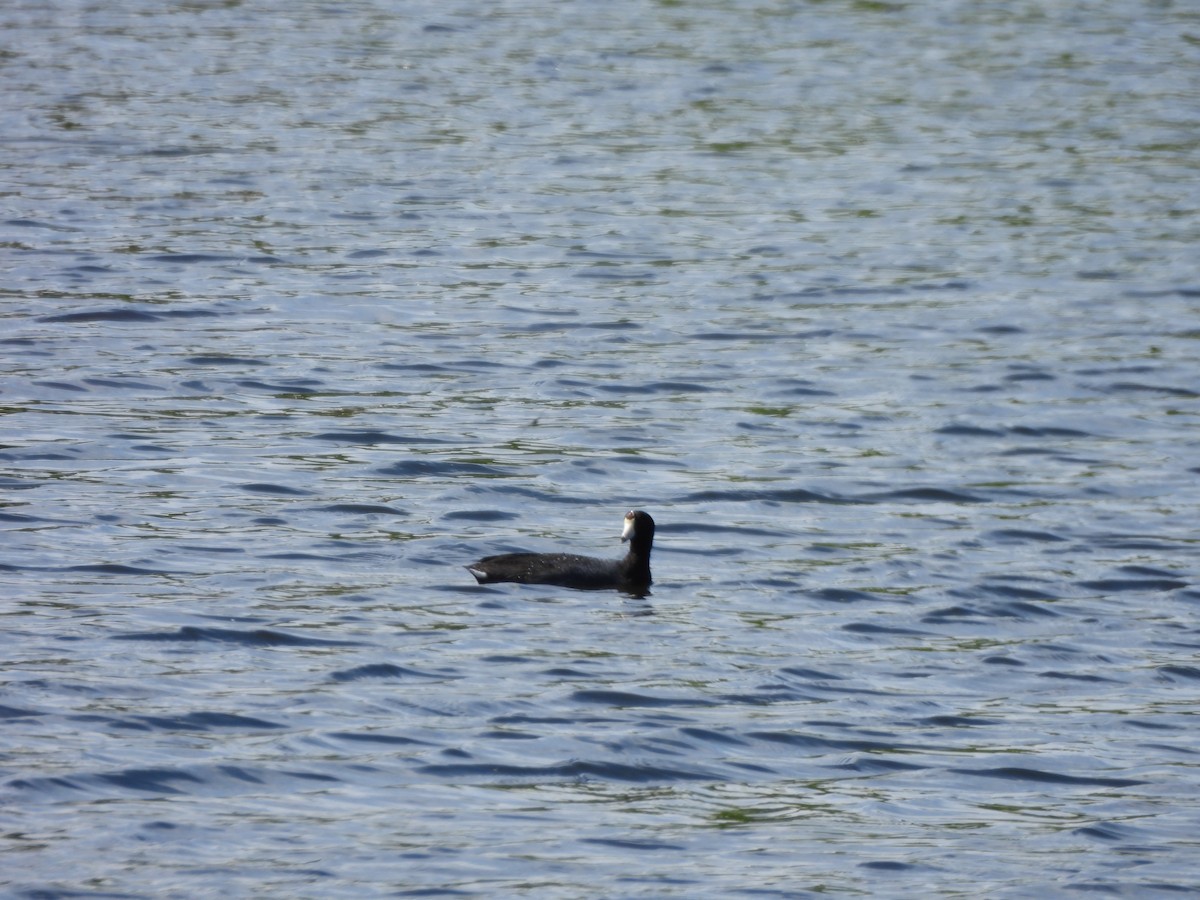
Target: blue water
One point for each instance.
(888, 313)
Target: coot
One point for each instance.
(586, 573)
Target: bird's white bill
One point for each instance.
(629, 529)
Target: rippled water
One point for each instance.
(887, 312)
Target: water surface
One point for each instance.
(886, 312)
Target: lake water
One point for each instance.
(889, 313)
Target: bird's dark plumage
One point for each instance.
(587, 573)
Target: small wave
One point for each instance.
(1049, 431)
(1106, 831)
(12, 712)
(361, 509)
(1021, 535)
(655, 387)
(115, 569)
(1145, 542)
(1016, 592)
(1120, 585)
(37, 223)
(923, 494)
(810, 674)
(1075, 676)
(626, 844)
(628, 699)
(200, 780)
(61, 386)
(375, 738)
(293, 389)
(1017, 773)
(769, 694)
(17, 517)
(949, 614)
(947, 721)
(872, 628)
(157, 781)
(419, 468)
(823, 745)
(379, 670)
(222, 360)
(368, 437)
(104, 315)
(193, 258)
(575, 770)
(260, 637)
(709, 528)
(709, 736)
(889, 865)
(197, 721)
(123, 384)
(1138, 387)
(740, 336)
(1020, 609)
(280, 490)
(844, 595)
(1170, 672)
(519, 490)
(783, 495)
(481, 515)
(32, 453)
(611, 274)
(962, 430)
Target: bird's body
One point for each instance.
(631, 573)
